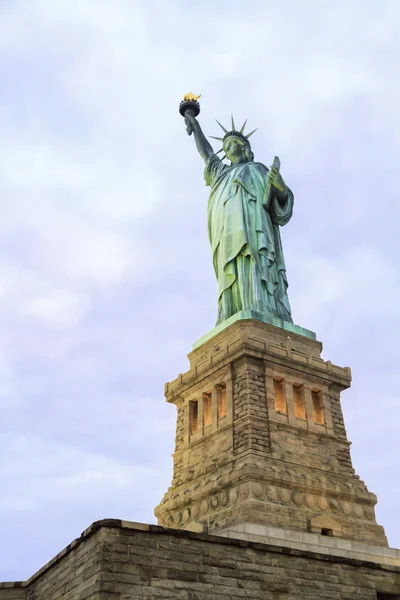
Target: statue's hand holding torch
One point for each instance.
(189, 121)
(189, 109)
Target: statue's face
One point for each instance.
(235, 149)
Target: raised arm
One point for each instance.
(203, 145)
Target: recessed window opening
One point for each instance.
(299, 402)
(326, 531)
(280, 396)
(384, 596)
(193, 416)
(221, 400)
(318, 407)
(207, 409)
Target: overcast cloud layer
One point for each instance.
(105, 270)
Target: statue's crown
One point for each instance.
(236, 134)
(233, 133)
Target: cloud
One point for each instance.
(54, 481)
(352, 281)
(62, 308)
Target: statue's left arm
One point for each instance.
(281, 206)
(275, 179)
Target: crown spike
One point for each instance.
(233, 124)
(251, 133)
(243, 126)
(216, 138)
(222, 127)
(221, 150)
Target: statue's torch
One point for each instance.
(189, 107)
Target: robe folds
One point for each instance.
(243, 229)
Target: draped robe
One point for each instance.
(243, 228)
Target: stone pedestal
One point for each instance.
(261, 440)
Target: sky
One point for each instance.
(106, 277)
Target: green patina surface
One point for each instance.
(245, 315)
(248, 204)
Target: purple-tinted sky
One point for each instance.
(105, 270)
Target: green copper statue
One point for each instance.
(247, 204)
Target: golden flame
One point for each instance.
(190, 96)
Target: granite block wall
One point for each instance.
(119, 560)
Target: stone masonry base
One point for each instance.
(121, 560)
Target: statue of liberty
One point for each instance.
(248, 203)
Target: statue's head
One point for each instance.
(237, 149)
(235, 144)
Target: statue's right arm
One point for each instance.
(203, 145)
